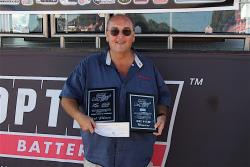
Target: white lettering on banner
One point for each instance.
(35, 147)
(21, 146)
(29, 96)
(76, 125)
(196, 81)
(26, 100)
(81, 150)
(70, 149)
(54, 106)
(47, 147)
(4, 97)
(58, 148)
(21, 108)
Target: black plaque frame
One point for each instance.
(101, 117)
(138, 125)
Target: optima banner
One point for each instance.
(113, 6)
(209, 123)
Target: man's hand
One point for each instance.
(161, 120)
(86, 123)
(71, 107)
(163, 112)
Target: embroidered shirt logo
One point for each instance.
(143, 77)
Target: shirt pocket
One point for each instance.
(146, 87)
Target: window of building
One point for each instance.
(229, 22)
(222, 22)
(80, 23)
(151, 23)
(21, 23)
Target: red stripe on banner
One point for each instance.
(158, 155)
(54, 148)
(39, 146)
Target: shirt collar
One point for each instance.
(108, 59)
(137, 60)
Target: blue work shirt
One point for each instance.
(98, 71)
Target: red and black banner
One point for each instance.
(209, 123)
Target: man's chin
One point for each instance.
(120, 50)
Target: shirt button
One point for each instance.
(133, 65)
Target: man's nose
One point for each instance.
(120, 34)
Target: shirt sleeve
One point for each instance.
(164, 96)
(75, 83)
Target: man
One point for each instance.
(126, 70)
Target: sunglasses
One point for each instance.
(116, 31)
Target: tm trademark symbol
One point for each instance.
(196, 81)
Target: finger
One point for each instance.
(160, 130)
(157, 124)
(156, 133)
(91, 129)
(93, 123)
(159, 127)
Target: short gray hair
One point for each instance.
(120, 15)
